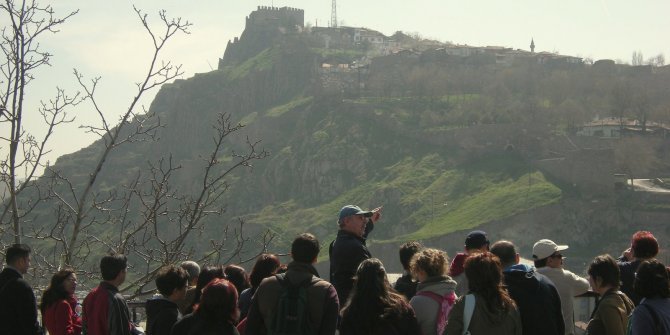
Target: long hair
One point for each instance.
(218, 302)
(372, 298)
(207, 274)
(56, 291)
(266, 265)
(238, 276)
(485, 278)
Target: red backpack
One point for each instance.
(445, 302)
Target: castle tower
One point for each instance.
(532, 45)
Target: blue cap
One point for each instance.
(350, 210)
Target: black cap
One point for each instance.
(476, 239)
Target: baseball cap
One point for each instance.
(476, 239)
(350, 210)
(545, 248)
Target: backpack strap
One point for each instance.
(429, 294)
(468, 311)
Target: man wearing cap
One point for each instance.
(475, 242)
(348, 249)
(549, 262)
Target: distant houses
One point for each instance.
(614, 127)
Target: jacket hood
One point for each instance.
(438, 284)
(521, 275)
(157, 304)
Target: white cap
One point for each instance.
(545, 248)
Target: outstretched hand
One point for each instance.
(376, 214)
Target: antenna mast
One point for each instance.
(333, 15)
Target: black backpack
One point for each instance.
(292, 312)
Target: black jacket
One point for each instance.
(627, 270)
(18, 309)
(537, 300)
(346, 254)
(193, 324)
(406, 286)
(162, 314)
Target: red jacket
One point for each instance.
(106, 312)
(61, 318)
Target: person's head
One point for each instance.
(18, 257)
(353, 219)
(547, 253)
(429, 263)
(305, 248)
(218, 302)
(171, 282)
(113, 268)
(407, 250)
(63, 285)
(644, 245)
(604, 274)
(476, 241)
(506, 252)
(651, 280)
(238, 276)
(484, 274)
(207, 274)
(266, 265)
(193, 270)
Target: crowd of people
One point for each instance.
(486, 289)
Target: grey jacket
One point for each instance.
(426, 309)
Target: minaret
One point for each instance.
(532, 45)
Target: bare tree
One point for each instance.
(27, 22)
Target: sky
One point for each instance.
(105, 39)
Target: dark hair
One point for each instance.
(485, 278)
(238, 276)
(171, 278)
(506, 252)
(651, 280)
(540, 263)
(605, 268)
(218, 302)
(112, 265)
(56, 291)
(266, 265)
(372, 299)
(305, 248)
(16, 252)
(433, 261)
(644, 245)
(207, 274)
(407, 250)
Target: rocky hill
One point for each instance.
(445, 143)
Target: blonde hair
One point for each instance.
(433, 261)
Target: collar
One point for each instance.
(302, 267)
(519, 268)
(109, 286)
(15, 270)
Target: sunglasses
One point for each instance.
(556, 256)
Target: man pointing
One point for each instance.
(349, 250)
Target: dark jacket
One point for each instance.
(404, 323)
(642, 322)
(484, 321)
(244, 302)
(322, 302)
(406, 286)
(537, 299)
(18, 309)
(105, 312)
(627, 270)
(162, 314)
(346, 254)
(193, 324)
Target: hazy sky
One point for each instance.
(105, 38)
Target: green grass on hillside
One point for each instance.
(262, 61)
(279, 110)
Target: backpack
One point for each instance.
(445, 302)
(291, 315)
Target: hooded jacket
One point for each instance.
(484, 321)
(537, 299)
(457, 272)
(162, 314)
(426, 309)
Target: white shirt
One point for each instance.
(568, 286)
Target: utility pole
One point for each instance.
(333, 15)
